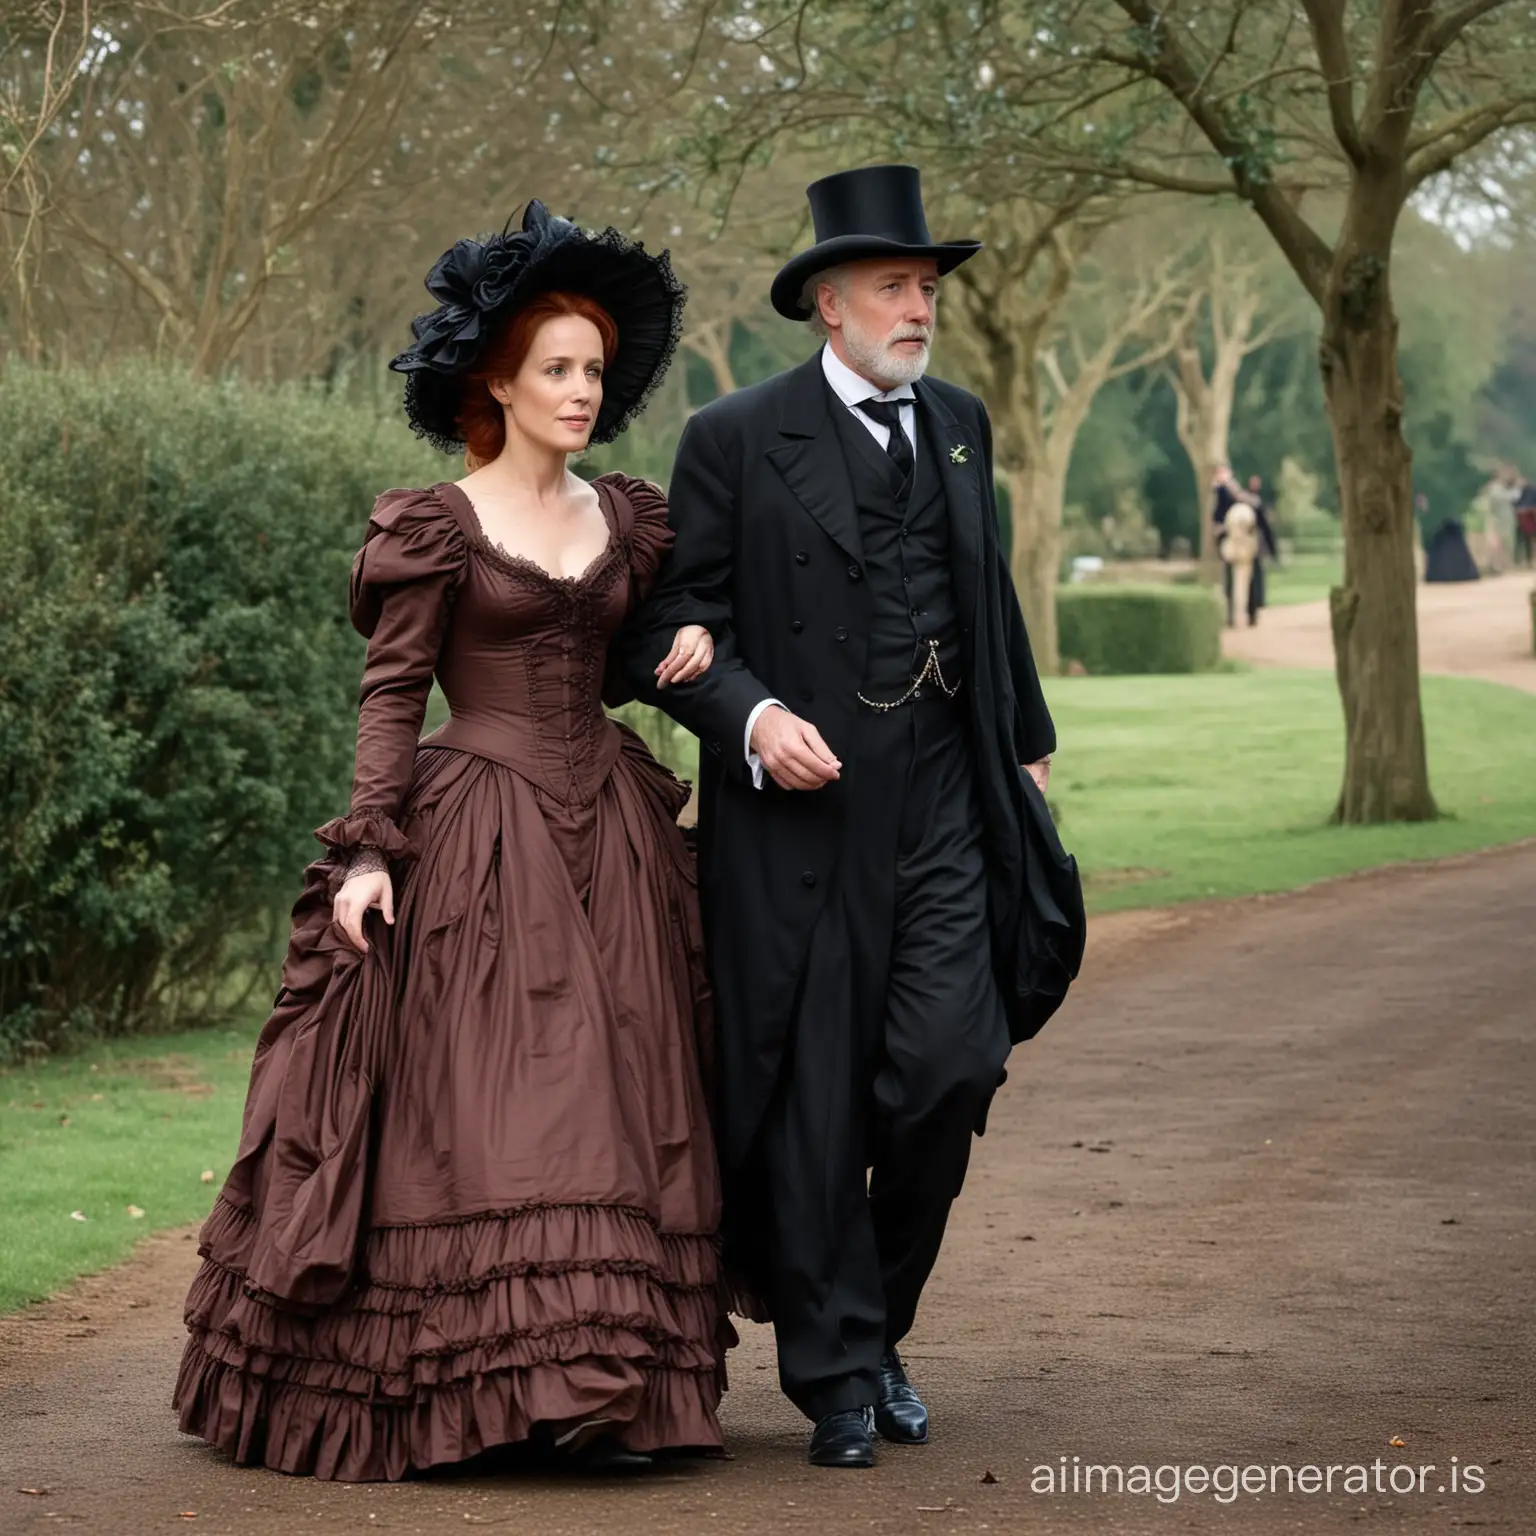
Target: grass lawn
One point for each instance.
(128, 1124)
(1168, 788)
(1175, 788)
(1302, 579)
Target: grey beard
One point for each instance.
(874, 360)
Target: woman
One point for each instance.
(475, 1199)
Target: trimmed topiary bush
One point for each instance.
(1128, 629)
(178, 680)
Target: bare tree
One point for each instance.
(202, 158)
(1234, 313)
(1048, 319)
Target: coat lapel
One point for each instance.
(811, 461)
(961, 467)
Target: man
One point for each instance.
(862, 854)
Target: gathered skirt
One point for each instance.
(476, 1187)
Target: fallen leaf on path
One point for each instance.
(1397, 1441)
(135, 1212)
(78, 1216)
(987, 1477)
(207, 1176)
(187, 1514)
(1449, 1221)
(36, 1493)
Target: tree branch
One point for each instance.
(1441, 147)
(1451, 26)
(1309, 255)
(1327, 19)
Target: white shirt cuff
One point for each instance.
(754, 762)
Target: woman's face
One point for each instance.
(554, 397)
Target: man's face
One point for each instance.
(882, 322)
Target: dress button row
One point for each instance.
(840, 635)
(801, 558)
(855, 574)
(795, 626)
(808, 879)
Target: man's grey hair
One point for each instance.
(839, 278)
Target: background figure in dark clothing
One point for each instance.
(1227, 493)
(1525, 521)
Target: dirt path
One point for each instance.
(1262, 1194)
(1466, 629)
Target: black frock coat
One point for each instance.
(768, 555)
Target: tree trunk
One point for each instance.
(1035, 495)
(1375, 624)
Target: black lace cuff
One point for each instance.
(364, 861)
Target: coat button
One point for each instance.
(801, 558)
(808, 879)
(839, 635)
(807, 695)
(855, 574)
(795, 626)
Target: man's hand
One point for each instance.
(1040, 772)
(792, 750)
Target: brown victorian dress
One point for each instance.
(476, 1187)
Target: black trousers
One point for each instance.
(896, 1048)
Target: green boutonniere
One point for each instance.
(959, 454)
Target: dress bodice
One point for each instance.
(520, 654)
(522, 661)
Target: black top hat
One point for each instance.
(875, 211)
(479, 285)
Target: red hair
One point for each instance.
(481, 418)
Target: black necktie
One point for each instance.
(888, 414)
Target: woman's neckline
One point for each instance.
(474, 530)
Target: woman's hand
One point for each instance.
(692, 651)
(356, 896)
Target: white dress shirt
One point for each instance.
(852, 389)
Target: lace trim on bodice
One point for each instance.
(520, 567)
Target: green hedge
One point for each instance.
(177, 680)
(1125, 629)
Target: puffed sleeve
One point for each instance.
(649, 536)
(404, 581)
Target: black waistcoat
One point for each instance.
(905, 532)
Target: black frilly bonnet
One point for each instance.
(480, 283)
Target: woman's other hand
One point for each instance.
(357, 896)
(692, 651)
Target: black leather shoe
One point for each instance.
(605, 1455)
(844, 1439)
(899, 1415)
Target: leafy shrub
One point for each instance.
(1126, 629)
(178, 679)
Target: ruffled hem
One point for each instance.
(456, 1338)
(307, 1431)
(365, 829)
